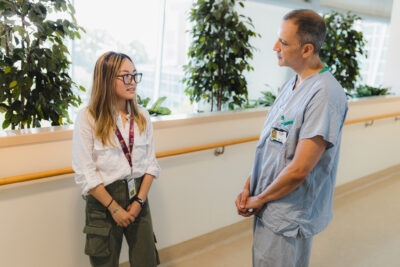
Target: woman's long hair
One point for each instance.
(103, 99)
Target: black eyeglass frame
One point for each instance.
(137, 77)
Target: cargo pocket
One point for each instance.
(97, 230)
(97, 241)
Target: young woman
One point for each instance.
(114, 163)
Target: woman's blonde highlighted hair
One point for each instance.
(103, 98)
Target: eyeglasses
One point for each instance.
(127, 78)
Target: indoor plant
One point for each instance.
(367, 90)
(341, 52)
(218, 54)
(343, 47)
(35, 85)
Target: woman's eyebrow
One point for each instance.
(127, 71)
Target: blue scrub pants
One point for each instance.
(274, 250)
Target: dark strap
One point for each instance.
(127, 151)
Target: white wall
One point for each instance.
(266, 19)
(393, 54)
(380, 8)
(195, 194)
(368, 149)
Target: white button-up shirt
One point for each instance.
(96, 164)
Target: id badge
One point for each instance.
(132, 187)
(278, 135)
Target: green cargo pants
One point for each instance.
(104, 237)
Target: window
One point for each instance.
(372, 68)
(154, 34)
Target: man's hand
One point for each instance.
(241, 201)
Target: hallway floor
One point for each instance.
(365, 232)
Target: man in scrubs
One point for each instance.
(290, 188)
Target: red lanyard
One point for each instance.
(127, 151)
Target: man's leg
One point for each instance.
(273, 250)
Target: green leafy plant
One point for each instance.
(266, 100)
(35, 84)
(218, 54)
(343, 47)
(156, 109)
(367, 90)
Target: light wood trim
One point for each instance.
(180, 151)
(374, 118)
(34, 176)
(168, 153)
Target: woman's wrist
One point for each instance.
(140, 201)
(109, 204)
(114, 207)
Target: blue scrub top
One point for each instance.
(318, 106)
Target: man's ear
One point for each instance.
(308, 50)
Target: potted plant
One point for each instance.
(219, 54)
(367, 90)
(343, 47)
(35, 85)
(156, 109)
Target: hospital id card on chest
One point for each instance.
(278, 135)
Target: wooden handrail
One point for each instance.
(34, 176)
(168, 153)
(374, 118)
(180, 151)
